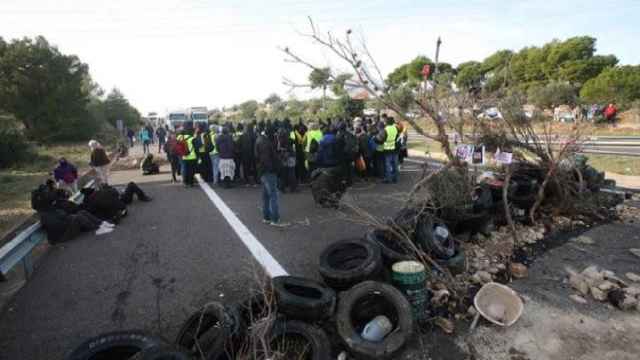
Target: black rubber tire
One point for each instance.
(351, 306)
(214, 343)
(319, 345)
(164, 352)
(115, 345)
(349, 262)
(303, 299)
(458, 263)
(425, 238)
(390, 255)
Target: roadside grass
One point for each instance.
(623, 165)
(17, 182)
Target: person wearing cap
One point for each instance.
(99, 162)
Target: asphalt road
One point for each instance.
(166, 259)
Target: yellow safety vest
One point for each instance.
(392, 136)
(192, 151)
(203, 148)
(312, 135)
(213, 141)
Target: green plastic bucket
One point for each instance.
(410, 278)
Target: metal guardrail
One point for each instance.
(20, 247)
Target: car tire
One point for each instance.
(209, 331)
(391, 252)
(115, 345)
(164, 352)
(303, 299)
(348, 262)
(361, 304)
(318, 341)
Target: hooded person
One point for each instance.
(227, 166)
(66, 176)
(99, 162)
(246, 146)
(149, 167)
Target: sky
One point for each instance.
(171, 54)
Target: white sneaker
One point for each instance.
(103, 230)
(107, 224)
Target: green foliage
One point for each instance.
(272, 99)
(497, 61)
(117, 107)
(409, 73)
(248, 109)
(45, 90)
(338, 85)
(403, 97)
(619, 84)
(469, 74)
(320, 78)
(14, 148)
(552, 94)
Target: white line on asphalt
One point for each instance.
(270, 265)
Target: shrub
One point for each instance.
(13, 145)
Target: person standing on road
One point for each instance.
(99, 162)
(311, 143)
(268, 165)
(66, 175)
(390, 152)
(224, 143)
(149, 129)
(162, 135)
(248, 159)
(202, 143)
(131, 135)
(190, 159)
(145, 139)
(214, 131)
(172, 156)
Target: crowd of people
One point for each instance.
(281, 155)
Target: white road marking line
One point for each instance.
(259, 252)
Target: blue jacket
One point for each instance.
(328, 154)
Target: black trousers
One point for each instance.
(249, 169)
(288, 179)
(204, 167)
(132, 189)
(175, 166)
(189, 172)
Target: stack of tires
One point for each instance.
(426, 234)
(354, 268)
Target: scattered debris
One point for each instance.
(633, 277)
(584, 240)
(445, 324)
(577, 298)
(603, 285)
(635, 252)
(518, 270)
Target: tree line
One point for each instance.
(47, 96)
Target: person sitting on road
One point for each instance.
(61, 219)
(148, 166)
(107, 203)
(66, 175)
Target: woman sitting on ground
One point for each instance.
(148, 166)
(66, 176)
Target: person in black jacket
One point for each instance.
(247, 145)
(225, 146)
(268, 166)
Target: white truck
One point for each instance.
(199, 115)
(175, 119)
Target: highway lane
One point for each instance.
(166, 259)
(169, 257)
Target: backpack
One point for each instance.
(182, 148)
(42, 199)
(350, 145)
